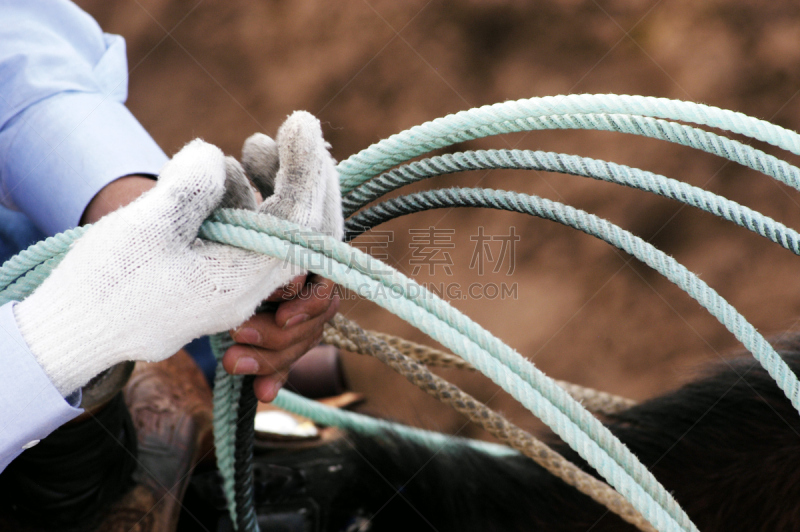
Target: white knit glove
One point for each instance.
(139, 284)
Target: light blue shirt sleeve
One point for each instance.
(65, 132)
(31, 407)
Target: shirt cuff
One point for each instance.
(68, 147)
(32, 407)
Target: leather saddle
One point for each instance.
(146, 446)
(140, 448)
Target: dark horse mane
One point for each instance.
(727, 446)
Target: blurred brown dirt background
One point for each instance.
(584, 312)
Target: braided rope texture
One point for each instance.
(614, 235)
(491, 421)
(522, 115)
(227, 390)
(628, 114)
(247, 520)
(566, 164)
(621, 481)
(595, 401)
(628, 247)
(541, 395)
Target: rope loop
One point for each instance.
(512, 117)
(650, 505)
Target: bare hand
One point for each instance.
(270, 342)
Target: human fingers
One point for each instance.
(239, 193)
(264, 349)
(260, 161)
(313, 299)
(267, 387)
(250, 360)
(306, 181)
(288, 291)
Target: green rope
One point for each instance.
(531, 114)
(566, 164)
(388, 288)
(667, 266)
(474, 160)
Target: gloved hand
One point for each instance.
(139, 284)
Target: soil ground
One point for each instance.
(583, 311)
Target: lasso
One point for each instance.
(363, 181)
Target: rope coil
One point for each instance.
(552, 162)
(513, 117)
(541, 395)
(491, 421)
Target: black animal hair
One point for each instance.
(726, 445)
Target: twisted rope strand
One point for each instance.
(420, 353)
(688, 136)
(525, 382)
(31, 257)
(379, 428)
(656, 259)
(511, 117)
(226, 393)
(567, 164)
(512, 372)
(491, 421)
(595, 401)
(247, 520)
(728, 316)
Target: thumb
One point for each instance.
(189, 188)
